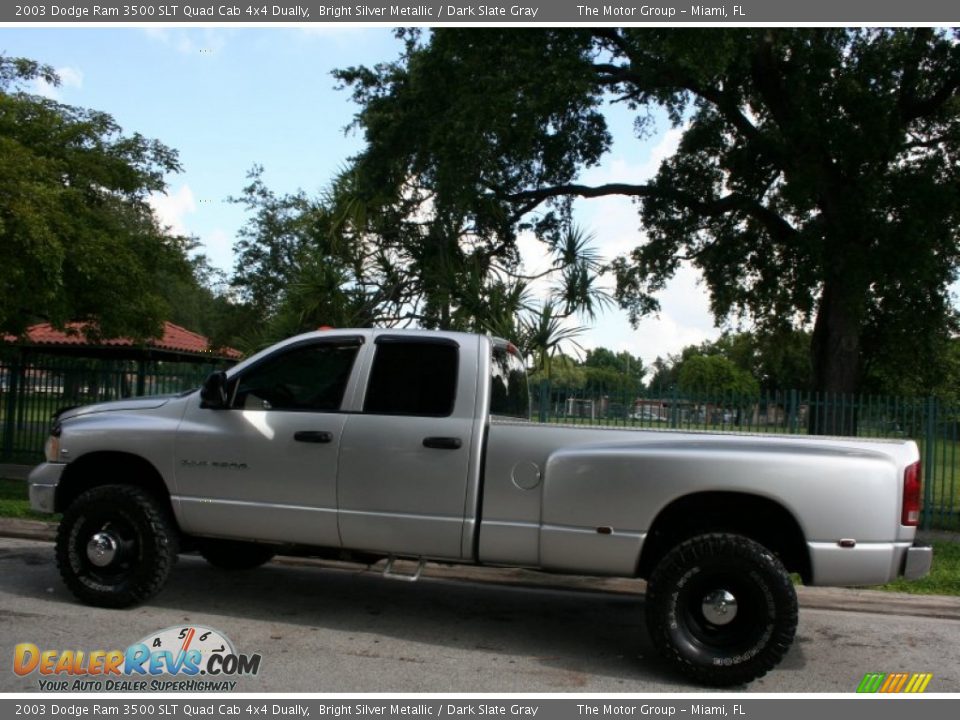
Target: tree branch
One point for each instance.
(934, 102)
(669, 79)
(775, 224)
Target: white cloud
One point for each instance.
(218, 247)
(189, 41)
(172, 208)
(684, 319)
(173, 211)
(70, 78)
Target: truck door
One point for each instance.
(265, 468)
(405, 458)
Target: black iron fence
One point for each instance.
(932, 423)
(33, 389)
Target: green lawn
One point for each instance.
(14, 502)
(944, 577)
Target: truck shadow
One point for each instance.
(564, 630)
(569, 637)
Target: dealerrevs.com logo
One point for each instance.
(189, 659)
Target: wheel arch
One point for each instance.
(111, 468)
(759, 518)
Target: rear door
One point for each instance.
(406, 458)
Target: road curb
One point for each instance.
(27, 529)
(814, 598)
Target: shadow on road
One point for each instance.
(574, 632)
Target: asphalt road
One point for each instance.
(347, 631)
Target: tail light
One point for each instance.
(912, 484)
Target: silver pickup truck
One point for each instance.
(412, 444)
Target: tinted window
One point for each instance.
(509, 392)
(413, 378)
(312, 377)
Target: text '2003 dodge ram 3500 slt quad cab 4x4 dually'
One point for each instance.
(418, 444)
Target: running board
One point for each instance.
(388, 571)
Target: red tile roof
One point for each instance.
(174, 339)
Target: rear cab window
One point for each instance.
(509, 391)
(415, 377)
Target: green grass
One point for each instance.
(14, 502)
(944, 578)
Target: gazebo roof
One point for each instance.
(175, 341)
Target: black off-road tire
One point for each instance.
(695, 627)
(140, 531)
(234, 554)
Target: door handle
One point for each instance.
(442, 443)
(313, 436)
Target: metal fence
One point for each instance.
(33, 389)
(932, 423)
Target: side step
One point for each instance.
(389, 572)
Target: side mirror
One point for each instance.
(214, 394)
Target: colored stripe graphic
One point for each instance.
(923, 679)
(871, 682)
(894, 682)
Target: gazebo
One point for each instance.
(49, 368)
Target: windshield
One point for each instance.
(509, 392)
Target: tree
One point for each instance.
(816, 180)
(777, 360)
(620, 373)
(347, 259)
(80, 242)
(302, 262)
(716, 374)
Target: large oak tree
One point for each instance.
(817, 182)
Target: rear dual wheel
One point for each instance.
(722, 609)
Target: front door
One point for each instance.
(266, 467)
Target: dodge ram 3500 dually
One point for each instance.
(416, 444)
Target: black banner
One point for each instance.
(503, 707)
(465, 12)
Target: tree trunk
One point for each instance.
(835, 351)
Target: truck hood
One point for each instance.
(141, 403)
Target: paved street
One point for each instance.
(330, 630)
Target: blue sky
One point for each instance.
(224, 98)
(229, 98)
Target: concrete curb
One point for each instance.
(814, 598)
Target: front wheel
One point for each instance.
(115, 546)
(721, 609)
